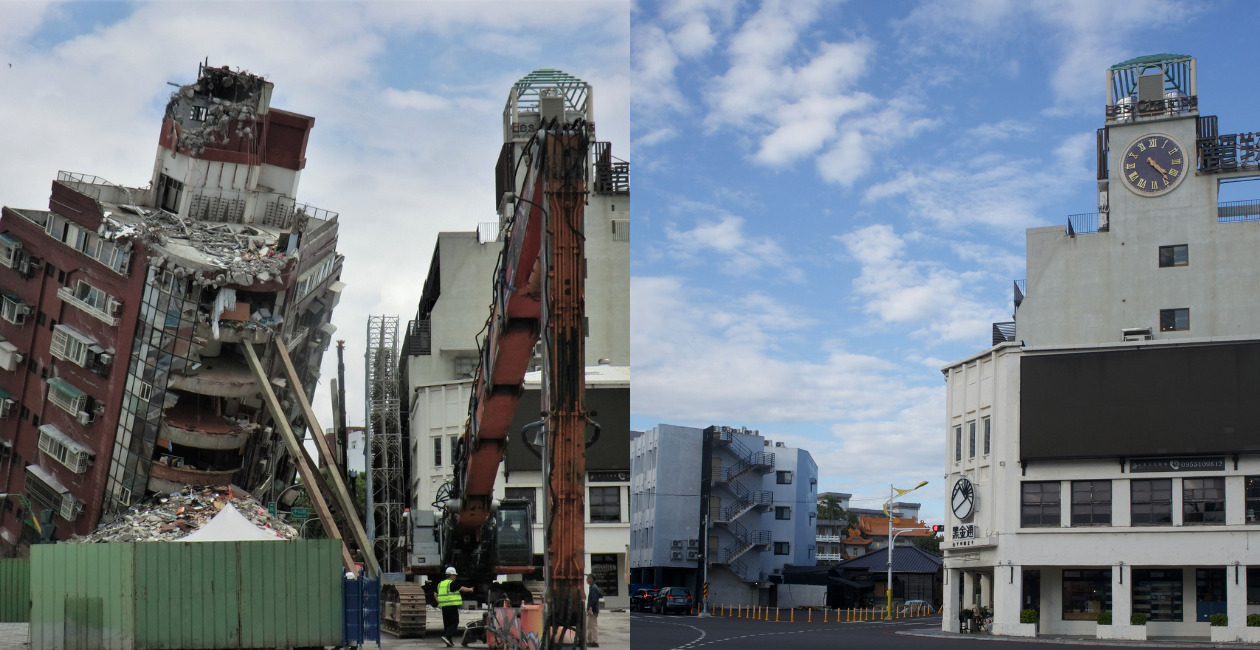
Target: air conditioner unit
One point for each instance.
(778, 571)
(675, 555)
(693, 543)
(693, 554)
(676, 543)
(70, 508)
(23, 310)
(85, 417)
(105, 358)
(113, 307)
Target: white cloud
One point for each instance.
(721, 241)
(702, 357)
(923, 294)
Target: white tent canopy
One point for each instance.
(229, 526)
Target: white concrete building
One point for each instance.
(1102, 456)
(759, 497)
(440, 351)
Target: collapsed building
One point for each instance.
(124, 313)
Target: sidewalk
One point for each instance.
(614, 632)
(1074, 639)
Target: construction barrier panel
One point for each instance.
(15, 590)
(207, 595)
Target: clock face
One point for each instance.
(1154, 164)
(963, 500)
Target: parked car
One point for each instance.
(915, 607)
(672, 598)
(641, 600)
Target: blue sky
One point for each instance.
(831, 198)
(407, 97)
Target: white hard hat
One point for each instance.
(450, 571)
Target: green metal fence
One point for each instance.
(15, 590)
(186, 595)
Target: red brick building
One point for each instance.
(124, 312)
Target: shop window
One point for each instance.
(1203, 500)
(1157, 593)
(1039, 504)
(604, 568)
(1151, 502)
(1252, 496)
(1086, 592)
(1091, 503)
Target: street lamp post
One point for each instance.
(892, 535)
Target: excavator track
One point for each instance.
(403, 609)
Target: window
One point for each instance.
(1178, 255)
(604, 567)
(957, 444)
(783, 478)
(971, 441)
(1251, 494)
(1151, 502)
(1039, 504)
(14, 309)
(528, 493)
(66, 397)
(986, 436)
(64, 449)
(1091, 503)
(1203, 500)
(454, 443)
(1085, 593)
(10, 250)
(437, 451)
(1157, 593)
(605, 504)
(783, 548)
(71, 345)
(91, 296)
(1174, 320)
(783, 512)
(465, 367)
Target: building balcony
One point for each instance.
(185, 424)
(169, 477)
(828, 557)
(829, 538)
(236, 332)
(223, 376)
(67, 296)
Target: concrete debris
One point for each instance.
(170, 517)
(247, 254)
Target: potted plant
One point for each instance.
(1104, 618)
(1219, 620)
(1138, 618)
(1253, 620)
(1029, 618)
(965, 618)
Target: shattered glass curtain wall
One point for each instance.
(162, 344)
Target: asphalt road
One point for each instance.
(719, 633)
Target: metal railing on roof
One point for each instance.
(1085, 223)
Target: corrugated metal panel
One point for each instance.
(186, 595)
(15, 590)
(81, 596)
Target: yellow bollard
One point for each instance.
(792, 615)
(776, 614)
(824, 614)
(809, 615)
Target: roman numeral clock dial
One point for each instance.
(1153, 164)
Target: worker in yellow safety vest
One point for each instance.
(450, 599)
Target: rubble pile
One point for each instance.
(170, 517)
(243, 253)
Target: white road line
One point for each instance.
(689, 644)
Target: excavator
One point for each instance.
(538, 294)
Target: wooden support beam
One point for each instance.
(339, 491)
(310, 475)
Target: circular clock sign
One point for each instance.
(1153, 164)
(963, 500)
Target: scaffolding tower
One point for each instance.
(386, 483)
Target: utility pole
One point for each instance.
(341, 407)
(892, 536)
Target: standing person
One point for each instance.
(450, 600)
(593, 594)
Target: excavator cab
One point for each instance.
(515, 533)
